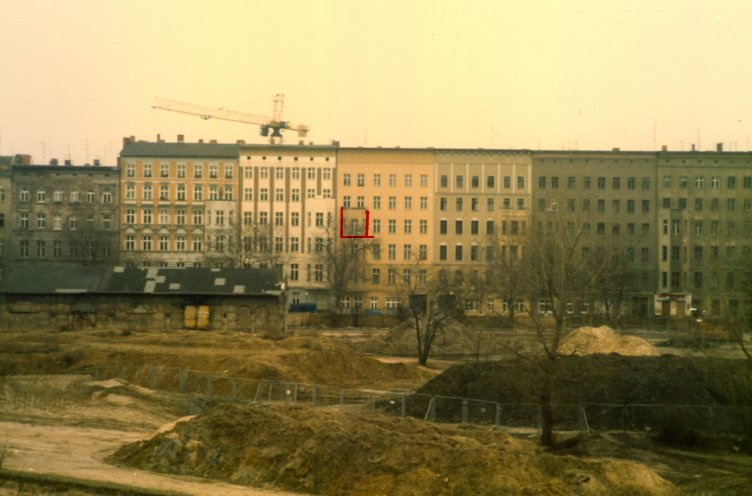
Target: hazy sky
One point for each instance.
(77, 76)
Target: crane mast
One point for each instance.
(271, 127)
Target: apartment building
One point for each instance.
(704, 235)
(5, 207)
(179, 203)
(396, 187)
(481, 210)
(287, 214)
(612, 196)
(63, 214)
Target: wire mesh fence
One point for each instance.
(709, 419)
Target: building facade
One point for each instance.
(64, 214)
(287, 215)
(179, 203)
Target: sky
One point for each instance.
(77, 76)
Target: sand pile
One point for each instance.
(590, 340)
(324, 452)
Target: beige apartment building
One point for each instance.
(396, 187)
(179, 203)
(481, 210)
(287, 215)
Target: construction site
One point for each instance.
(349, 412)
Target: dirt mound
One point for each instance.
(589, 340)
(324, 452)
(340, 366)
(616, 380)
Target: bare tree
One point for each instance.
(344, 260)
(565, 267)
(89, 245)
(432, 299)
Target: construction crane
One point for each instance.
(271, 127)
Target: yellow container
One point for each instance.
(202, 320)
(190, 317)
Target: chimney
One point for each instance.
(159, 140)
(53, 161)
(200, 140)
(615, 149)
(96, 162)
(693, 147)
(213, 142)
(241, 142)
(664, 148)
(181, 138)
(68, 162)
(719, 147)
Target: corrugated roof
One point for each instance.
(187, 150)
(132, 280)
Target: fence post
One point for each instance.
(181, 380)
(341, 400)
(295, 394)
(498, 417)
(271, 386)
(403, 407)
(464, 411)
(259, 391)
(208, 386)
(431, 412)
(584, 418)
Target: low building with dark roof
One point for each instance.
(130, 298)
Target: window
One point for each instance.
(443, 226)
(146, 194)
(319, 219)
(458, 204)
(392, 226)
(630, 206)
(24, 248)
(146, 242)
(474, 203)
(490, 181)
(146, 215)
(698, 204)
(699, 182)
(490, 227)
(375, 276)
(601, 183)
(423, 202)
(392, 180)
(163, 192)
(645, 206)
(229, 171)
(197, 243)
(601, 206)
(346, 179)
(555, 182)
(392, 202)
(715, 182)
(377, 179)
(423, 252)
(407, 252)
(264, 194)
(376, 226)
(459, 181)
(408, 226)
(474, 226)
(631, 183)
(198, 217)
(458, 227)
(147, 170)
(423, 226)
(645, 183)
(586, 182)
(542, 182)
(458, 253)
(408, 203)
(41, 220)
(408, 180)
(730, 204)
(442, 252)
(392, 252)
(666, 181)
(24, 196)
(424, 180)
(279, 194)
(164, 242)
(180, 217)
(443, 203)
(520, 182)
(130, 170)
(444, 181)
